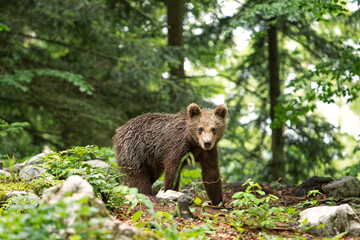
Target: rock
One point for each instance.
(169, 194)
(313, 183)
(31, 196)
(73, 189)
(97, 164)
(345, 187)
(34, 160)
(5, 173)
(15, 194)
(329, 221)
(73, 192)
(182, 208)
(29, 172)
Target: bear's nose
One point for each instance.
(207, 144)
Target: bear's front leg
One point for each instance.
(171, 181)
(211, 175)
(172, 175)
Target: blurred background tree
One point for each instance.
(71, 72)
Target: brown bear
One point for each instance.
(153, 143)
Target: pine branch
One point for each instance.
(64, 44)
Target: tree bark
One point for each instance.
(175, 15)
(277, 164)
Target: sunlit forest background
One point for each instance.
(71, 72)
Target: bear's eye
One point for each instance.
(200, 130)
(213, 130)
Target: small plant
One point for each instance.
(189, 157)
(50, 222)
(71, 162)
(310, 202)
(14, 175)
(164, 225)
(314, 193)
(253, 211)
(20, 204)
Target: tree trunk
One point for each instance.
(277, 164)
(175, 15)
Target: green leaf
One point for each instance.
(136, 216)
(197, 201)
(3, 27)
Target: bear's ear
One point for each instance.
(193, 110)
(221, 111)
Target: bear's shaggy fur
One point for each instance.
(152, 143)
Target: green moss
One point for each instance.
(2, 197)
(14, 186)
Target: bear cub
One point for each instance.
(153, 143)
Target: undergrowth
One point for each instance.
(251, 209)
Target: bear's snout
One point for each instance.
(207, 145)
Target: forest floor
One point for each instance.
(220, 220)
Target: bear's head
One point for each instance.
(206, 126)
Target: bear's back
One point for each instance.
(143, 140)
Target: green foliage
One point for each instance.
(70, 162)
(49, 222)
(21, 78)
(321, 66)
(354, 168)
(30, 221)
(75, 70)
(163, 225)
(313, 193)
(39, 184)
(256, 212)
(20, 204)
(190, 177)
(75, 79)
(3, 27)
(114, 52)
(6, 128)
(105, 182)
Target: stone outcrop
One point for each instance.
(347, 186)
(329, 221)
(73, 192)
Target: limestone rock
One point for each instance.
(5, 173)
(15, 194)
(329, 221)
(31, 196)
(169, 194)
(182, 208)
(345, 187)
(31, 171)
(97, 164)
(34, 160)
(73, 189)
(72, 192)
